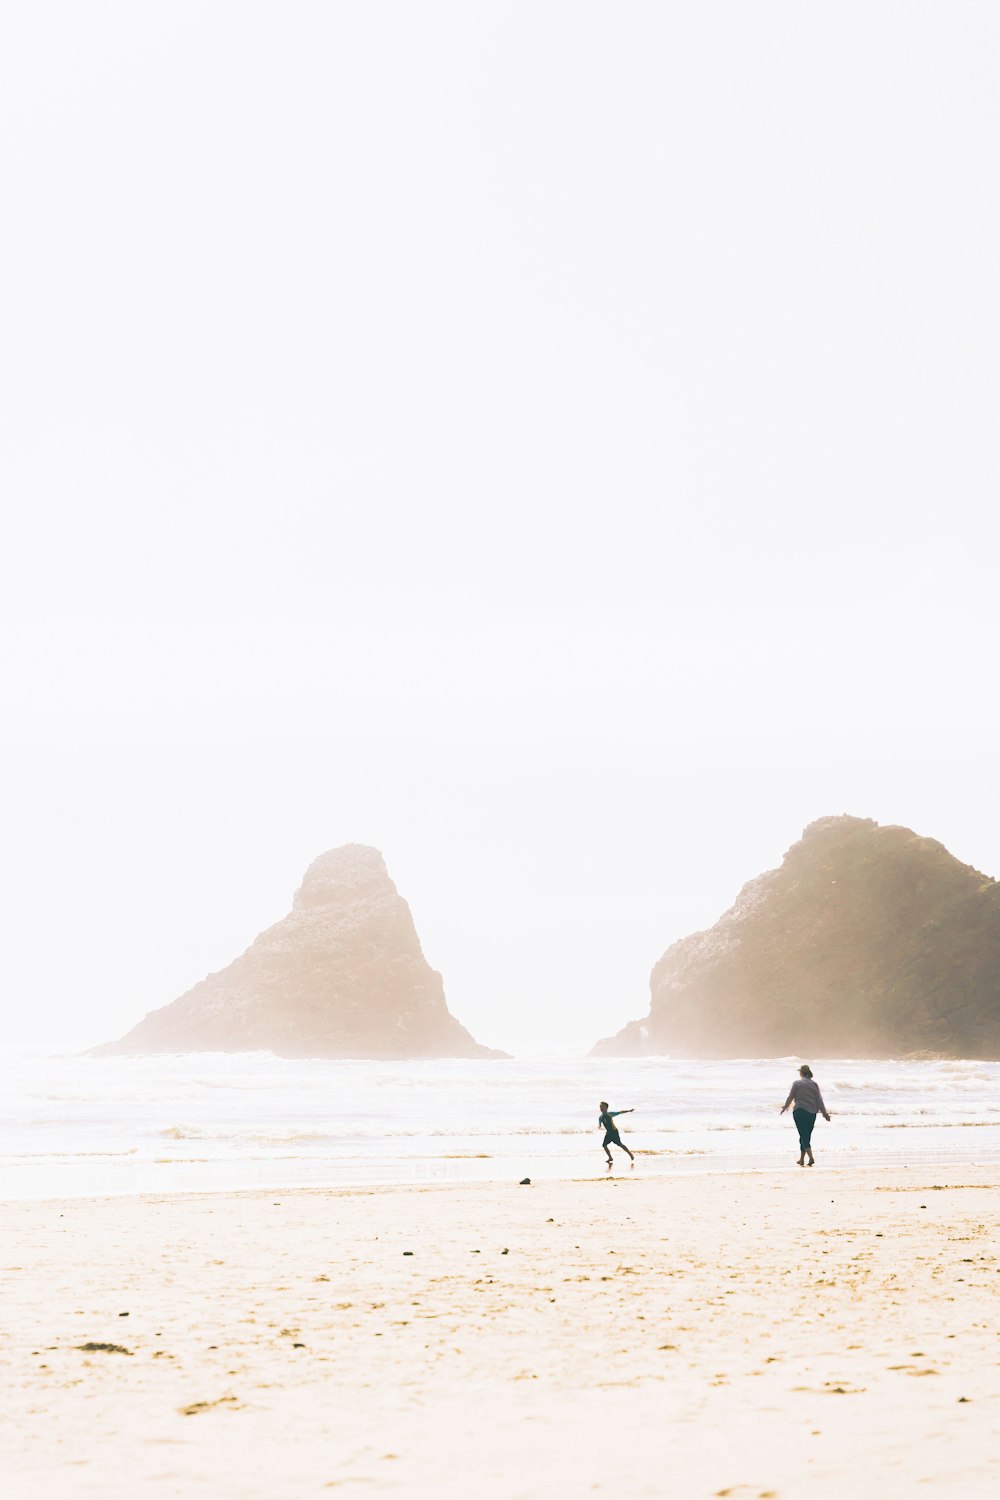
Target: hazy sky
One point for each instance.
(556, 443)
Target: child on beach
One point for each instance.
(606, 1121)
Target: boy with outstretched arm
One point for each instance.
(606, 1121)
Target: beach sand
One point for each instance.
(814, 1333)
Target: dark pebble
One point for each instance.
(525, 1182)
(407, 1252)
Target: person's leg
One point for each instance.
(801, 1117)
(607, 1149)
(805, 1134)
(616, 1140)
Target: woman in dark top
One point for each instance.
(807, 1102)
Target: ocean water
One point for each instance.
(82, 1126)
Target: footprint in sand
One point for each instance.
(200, 1406)
(749, 1490)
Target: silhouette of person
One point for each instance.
(807, 1100)
(606, 1121)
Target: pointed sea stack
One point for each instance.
(869, 941)
(343, 975)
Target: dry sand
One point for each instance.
(798, 1334)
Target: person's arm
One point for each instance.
(789, 1100)
(822, 1107)
(615, 1112)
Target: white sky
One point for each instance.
(555, 443)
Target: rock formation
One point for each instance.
(343, 975)
(868, 941)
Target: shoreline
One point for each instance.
(541, 1174)
(707, 1177)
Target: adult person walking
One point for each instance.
(606, 1121)
(807, 1102)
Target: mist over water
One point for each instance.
(80, 1126)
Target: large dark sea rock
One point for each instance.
(868, 941)
(343, 975)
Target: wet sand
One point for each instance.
(813, 1333)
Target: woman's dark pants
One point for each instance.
(804, 1122)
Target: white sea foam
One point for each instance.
(83, 1126)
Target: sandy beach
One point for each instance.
(797, 1333)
